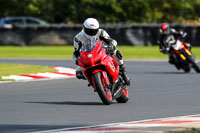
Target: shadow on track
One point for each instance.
(167, 73)
(162, 73)
(69, 103)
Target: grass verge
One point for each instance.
(17, 69)
(129, 52)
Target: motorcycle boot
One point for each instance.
(172, 59)
(79, 74)
(178, 67)
(124, 74)
(117, 55)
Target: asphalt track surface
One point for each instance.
(157, 90)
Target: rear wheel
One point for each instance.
(124, 97)
(103, 91)
(187, 68)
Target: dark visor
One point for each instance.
(91, 32)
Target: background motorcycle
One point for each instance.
(184, 59)
(102, 72)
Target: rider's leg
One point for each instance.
(79, 74)
(117, 55)
(172, 59)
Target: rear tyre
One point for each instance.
(103, 91)
(187, 69)
(124, 97)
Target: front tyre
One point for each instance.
(103, 91)
(196, 67)
(194, 64)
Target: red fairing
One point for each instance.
(97, 60)
(88, 59)
(112, 67)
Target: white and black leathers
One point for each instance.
(81, 37)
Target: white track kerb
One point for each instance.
(62, 72)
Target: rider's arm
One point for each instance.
(178, 35)
(160, 43)
(111, 43)
(77, 46)
(106, 38)
(174, 32)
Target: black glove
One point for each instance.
(76, 54)
(184, 35)
(111, 48)
(101, 38)
(79, 75)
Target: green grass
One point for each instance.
(149, 52)
(17, 69)
(141, 52)
(36, 52)
(66, 52)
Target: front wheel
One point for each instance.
(196, 68)
(103, 91)
(194, 64)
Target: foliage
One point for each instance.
(106, 11)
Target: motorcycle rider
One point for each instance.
(90, 31)
(169, 36)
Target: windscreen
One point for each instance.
(89, 45)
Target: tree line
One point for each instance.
(106, 11)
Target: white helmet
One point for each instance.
(91, 27)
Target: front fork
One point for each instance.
(185, 54)
(115, 87)
(91, 80)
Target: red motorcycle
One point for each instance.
(102, 72)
